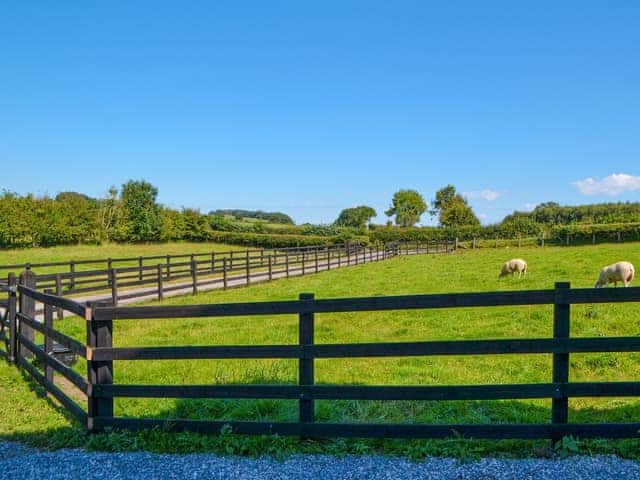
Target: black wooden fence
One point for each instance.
(222, 269)
(100, 387)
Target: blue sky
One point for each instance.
(311, 107)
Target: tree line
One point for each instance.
(132, 214)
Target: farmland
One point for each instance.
(460, 272)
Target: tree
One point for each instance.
(457, 213)
(452, 209)
(357, 217)
(407, 206)
(142, 215)
(444, 197)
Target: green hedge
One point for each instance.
(580, 234)
(278, 241)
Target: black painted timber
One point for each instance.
(335, 392)
(54, 300)
(357, 350)
(490, 431)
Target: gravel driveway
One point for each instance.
(19, 462)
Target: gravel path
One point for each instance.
(19, 462)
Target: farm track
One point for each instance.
(186, 288)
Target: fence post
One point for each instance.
(328, 249)
(12, 310)
(305, 371)
(28, 308)
(194, 276)
(474, 243)
(168, 267)
(316, 258)
(286, 262)
(224, 273)
(303, 266)
(594, 239)
(48, 341)
(72, 277)
(160, 283)
(59, 293)
(270, 259)
(248, 267)
(561, 332)
(109, 266)
(140, 268)
(567, 239)
(262, 257)
(519, 240)
(542, 239)
(213, 262)
(113, 280)
(99, 335)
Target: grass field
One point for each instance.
(114, 250)
(459, 272)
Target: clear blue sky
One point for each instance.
(310, 107)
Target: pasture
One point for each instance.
(20, 256)
(463, 271)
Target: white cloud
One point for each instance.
(488, 195)
(614, 184)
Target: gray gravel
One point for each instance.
(19, 462)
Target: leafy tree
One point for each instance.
(457, 213)
(407, 206)
(195, 225)
(357, 217)
(142, 215)
(444, 196)
(452, 209)
(109, 212)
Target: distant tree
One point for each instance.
(195, 225)
(457, 213)
(357, 217)
(452, 209)
(142, 215)
(271, 217)
(109, 212)
(444, 197)
(407, 206)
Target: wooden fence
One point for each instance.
(100, 387)
(221, 269)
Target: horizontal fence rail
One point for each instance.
(100, 387)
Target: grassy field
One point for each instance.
(460, 272)
(114, 250)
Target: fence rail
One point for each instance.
(101, 387)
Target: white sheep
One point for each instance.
(513, 266)
(617, 272)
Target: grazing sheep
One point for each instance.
(513, 266)
(617, 272)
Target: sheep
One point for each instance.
(617, 272)
(513, 266)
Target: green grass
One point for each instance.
(100, 252)
(460, 272)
